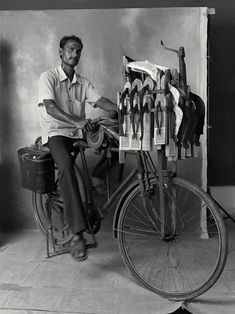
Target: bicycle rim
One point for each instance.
(188, 258)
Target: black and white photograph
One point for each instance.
(116, 157)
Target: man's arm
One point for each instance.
(107, 105)
(57, 113)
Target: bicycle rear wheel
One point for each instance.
(49, 211)
(185, 260)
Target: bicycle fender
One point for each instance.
(129, 189)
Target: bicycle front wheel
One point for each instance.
(179, 254)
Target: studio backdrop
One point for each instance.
(29, 45)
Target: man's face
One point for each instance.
(71, 53)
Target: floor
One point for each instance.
(31, 283)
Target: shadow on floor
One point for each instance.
(181, 311)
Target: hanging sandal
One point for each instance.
(78, 249)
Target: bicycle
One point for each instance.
(170, 233)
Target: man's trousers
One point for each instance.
(61, 148)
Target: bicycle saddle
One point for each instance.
(80, 143)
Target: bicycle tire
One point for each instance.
(169, 265)
(61, 232)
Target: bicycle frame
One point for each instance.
(142, 172)
(121, 187)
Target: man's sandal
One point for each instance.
(78, 249)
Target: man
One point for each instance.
(63, 97)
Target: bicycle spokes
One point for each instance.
(185, 261)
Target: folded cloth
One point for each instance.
(147, 67)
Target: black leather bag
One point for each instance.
(37, 169)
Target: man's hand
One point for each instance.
(85, 125)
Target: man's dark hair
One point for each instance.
(65, 39)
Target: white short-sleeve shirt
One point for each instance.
(71, 97)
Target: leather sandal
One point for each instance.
(78, 249)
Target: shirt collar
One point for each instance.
(63, 76)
